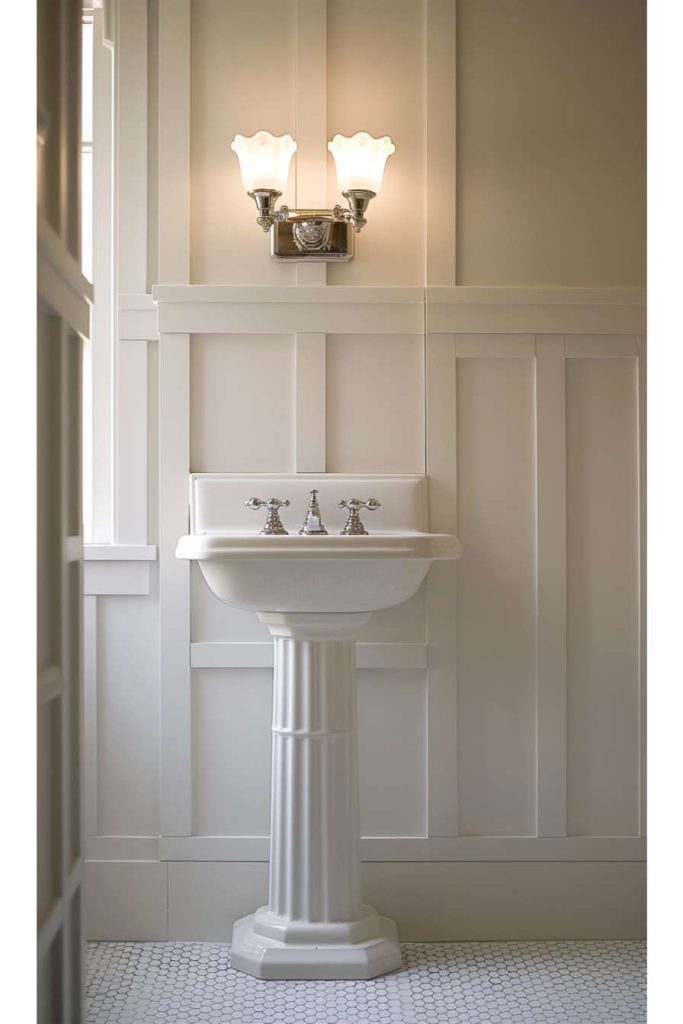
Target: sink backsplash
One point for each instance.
(217, 500)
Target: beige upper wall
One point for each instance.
(550, 136)
(551, 142)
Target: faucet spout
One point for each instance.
(313, 523)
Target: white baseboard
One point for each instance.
(126, 900)
(430, 901)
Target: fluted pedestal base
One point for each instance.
(271, 959)
(315, 925)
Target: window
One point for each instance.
(87, 88)
(86, 142)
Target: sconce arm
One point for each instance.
(265, 199)
(354, 214)
(358, 200)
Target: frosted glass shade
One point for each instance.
(360, 160)
(264, 160)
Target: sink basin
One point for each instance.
(316, 574)
(314, 593)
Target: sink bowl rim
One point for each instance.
(403, 544)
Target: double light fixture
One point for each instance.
(303, 235)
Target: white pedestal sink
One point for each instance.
(314, 594)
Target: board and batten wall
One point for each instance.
(502, 708)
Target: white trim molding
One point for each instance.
(207, 309)
(137, 318)
(199, 309)
(490, 849)
(131, 578)
(119, 552)
(120, 569)
(431, 901)
(473, 310)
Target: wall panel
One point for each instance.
(375, 404)
(233, 45)
(231, 712)
(369, 46)
(602, 596)
(241, 407)
(496, 604)
(127, 716)
(392, 744)
(551, 142)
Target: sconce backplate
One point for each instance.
(302, 239)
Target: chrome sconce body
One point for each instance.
(303, 235)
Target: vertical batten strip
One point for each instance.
(310, 84)
(441, 420)
(440, 208)
(174, 142)
(441, 594)
(90, 716)
(310, 423)
(174, 585)
(642, 583)
(551, 592)
(174, 391)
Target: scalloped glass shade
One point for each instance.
(360, 160)
(264, 160)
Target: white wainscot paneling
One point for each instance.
(375, 404)
(575, 311)
(127, 716)
(241, 407)
(283, 374)
(496, 605)
(231, 717)
(436, 902)
(392, 724)
(231, 721)
(602, 597)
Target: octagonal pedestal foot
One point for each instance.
(270, 959)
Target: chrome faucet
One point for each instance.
(273, 524)
(313, 523)
(354, 527)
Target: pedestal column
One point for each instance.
(315, 925)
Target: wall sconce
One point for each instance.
(303, 235)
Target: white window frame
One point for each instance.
(115, 423)
(98, 425)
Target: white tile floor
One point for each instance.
(441, 983)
